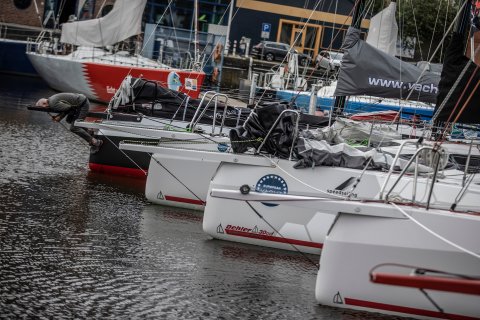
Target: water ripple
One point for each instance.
(74, 244)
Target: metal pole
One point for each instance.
(253, 88)
(463, 24)
(195, 41)
(220, 70)
(312, 107)
(250, 68)
(467, 164)
(230, 14)
(339, 104)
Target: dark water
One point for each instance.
(74, 244)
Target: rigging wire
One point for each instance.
(124, 153)
(176, 178)
(434, 28)
(444, 26)
(416, 30)
(436, 235)
(317, 265)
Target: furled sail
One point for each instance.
(369, 71)
(458, 100)
(383, 30)
(119, 24)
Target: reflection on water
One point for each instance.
(75, 244)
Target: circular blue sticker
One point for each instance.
(271, 183)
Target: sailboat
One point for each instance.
(98, 72)
(431, 229)
(373, 77)
(280, 175)
(145, 112)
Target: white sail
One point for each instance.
(119, 24)
(383, 30)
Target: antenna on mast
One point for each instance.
(196, 56)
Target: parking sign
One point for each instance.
(266, 27)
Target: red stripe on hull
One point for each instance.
(274, 239)
(185, 200)
(121, 171)
(104, 79)
(406, 310)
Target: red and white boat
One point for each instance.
(96, 72)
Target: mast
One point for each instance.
(462, 28)
(463, 23)
(195, 41)
(357, 17)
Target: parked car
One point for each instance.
(272, 51)
(329, 60)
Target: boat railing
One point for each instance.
(295, 133)
(269, 80)
(435, 164)
(199, 113)
(11, 31)
(45, 44)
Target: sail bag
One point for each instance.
(366, 70)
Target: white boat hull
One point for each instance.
(282, 226)
(174, 181)
(275, 225)
(358, 242)
(286, 222)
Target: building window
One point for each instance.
(180, 13)
(22, 4)
(304, 37)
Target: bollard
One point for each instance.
(312, 107)
(253, 88)
(234, 50)
(227, 47)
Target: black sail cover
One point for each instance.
(454, 63)
(366, 70)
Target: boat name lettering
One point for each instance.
(237, 228)
(342, 193)
(248, 230)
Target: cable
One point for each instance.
(471, 253)
(317, 265)
(180, 181)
